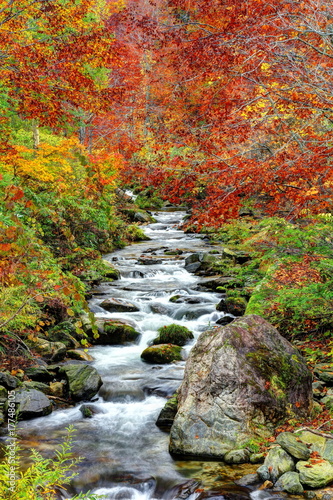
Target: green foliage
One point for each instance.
(289, 277)
(43, 477)
(134, 233)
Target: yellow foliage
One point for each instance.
(49, 164)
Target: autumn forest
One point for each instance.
(222, 106)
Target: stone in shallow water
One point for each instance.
(83, 380)
(278, 462)
(290, 483)
(32, 403)
(162, 354)
(118, 305)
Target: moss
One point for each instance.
(162, 354)
(118, 333)
(174, 334)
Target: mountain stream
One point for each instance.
(125, 455)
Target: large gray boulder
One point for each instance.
(83, 381)
(31, 404)
(240, 381)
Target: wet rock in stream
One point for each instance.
(237, 386)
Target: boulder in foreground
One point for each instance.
(240, 382)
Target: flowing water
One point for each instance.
(125, 454)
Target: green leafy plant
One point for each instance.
(42, 479)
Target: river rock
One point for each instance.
(44, 388)
(167, 414)
(257, 458)
(83, 381)
(318, 443)
(240, 381)
(278, 461)
(38, 373)
(8, 381)
(149, 261)
(118, 305)
(315, 475)
(293, 445)
(79, 354)
(162, 354)
(116, 333)
(200, 262)
(32, 403)
(225, 320)
(173, 334)
(263, 473)
(289, 482)
(52, 351)
(88, 411)
(57, 389)
(214, 283)
(3, 393)
(324, 372)
(241, 456)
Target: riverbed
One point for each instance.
(125, 455)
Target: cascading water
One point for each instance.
(125, 455)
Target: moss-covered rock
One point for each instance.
(3, 393)
(289, 482)
(162, 354)
(278, 461)
(79, 354)
(57, 389)
(52, 351)
(167, 414)
(64, 332)
(115, 332)
(39, 373)
(201, 263)
(324, 372)
(241, 456)
(39, 386)
(315, 475)
(83, 381)
(240, 382)
(292, 445)
(173, 334)
(109, 271)
(235, 305)
(109, 331)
